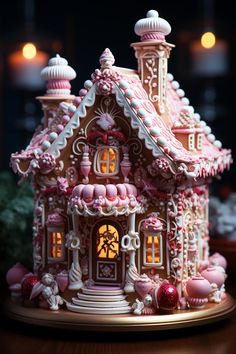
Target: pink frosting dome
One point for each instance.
(152, 224)
(55, 219)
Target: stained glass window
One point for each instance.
(107, 245)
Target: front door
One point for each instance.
(106, 253)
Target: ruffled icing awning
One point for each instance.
(105, 200)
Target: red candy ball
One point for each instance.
(167, 297)
(27, 286)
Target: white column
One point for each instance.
(73, 243)
(130, 243)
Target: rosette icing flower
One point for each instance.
(47, 162)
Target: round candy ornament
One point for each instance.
(27, 285)
(167, 297)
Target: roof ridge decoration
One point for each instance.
(104, 78)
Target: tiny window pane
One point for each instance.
(199, 141)
(55, 247)
(107, 161)
(191, 141)
(152, 250)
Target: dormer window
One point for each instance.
(106, 161)
(191, 142)
(199, 141)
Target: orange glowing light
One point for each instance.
(208, 40)
(56, 242)
(152, 249)
(107, 160)
(29, 51)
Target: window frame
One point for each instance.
(191, 141)
(153, 234)
(50, 231)
(97, 161)
(199, 141)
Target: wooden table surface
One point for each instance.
(217, 338)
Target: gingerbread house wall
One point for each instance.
(181, 209)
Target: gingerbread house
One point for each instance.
(121, 176)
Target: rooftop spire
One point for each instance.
(106, 59)
(58, 74)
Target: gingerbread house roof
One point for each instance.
(154, 129)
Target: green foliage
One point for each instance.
(16, 216)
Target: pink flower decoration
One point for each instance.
(104, 87)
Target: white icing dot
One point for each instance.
(155, 131)
(72, 108)
(211, 137)
(180, 93)
(218, 144)
(197, 117)
(53, 136)
(207, 129)
(170, 77)
(46, 144)
(88, 84)
(185, 100)
(161, 140)
(202, 123)
(175, 85)
(148, 121)
(191, 109)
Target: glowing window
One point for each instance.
(107, 242)
(107, 161)
(199, 141)
(55, 245)
(191, 141)
(152, 250)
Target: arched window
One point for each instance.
(106, 161)
(107, 242)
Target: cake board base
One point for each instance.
(65, 319)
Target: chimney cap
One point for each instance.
(152, 27)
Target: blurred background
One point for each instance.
(31, 31)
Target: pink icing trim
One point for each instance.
(186, 130)
(152, 36)
(58, 84)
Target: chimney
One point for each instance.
(152, 54)
(58, 75)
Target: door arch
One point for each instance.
(107, 258)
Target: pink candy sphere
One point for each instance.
(15, 274)
(213, 275)
(198, 287)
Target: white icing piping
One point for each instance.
(104, 212)
(61, 141)
(143, 134)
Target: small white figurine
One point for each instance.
(48, 289)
